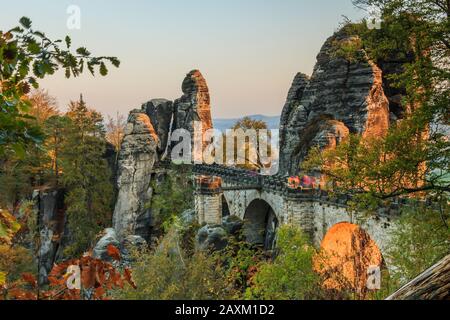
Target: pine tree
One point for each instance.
(86, 176)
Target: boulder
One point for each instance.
(100, 249)
(212, 238)
(134, 241)
(188, 217)
(232, 224)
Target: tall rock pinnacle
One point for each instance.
(194, 105)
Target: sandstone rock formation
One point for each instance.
(160, 112)
(137, 156)
(147, 142)
(342, 96)
(51, 223)
(194, 105)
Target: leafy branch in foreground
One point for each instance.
(27, 55)
(96, 280)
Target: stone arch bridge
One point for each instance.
(265, 202)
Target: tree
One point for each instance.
(43, 106)
(248, 156)
(426, 239)
(55, 129)
(25, 56)
(115, 131)
(86, 176)
(172, 195)
(291, 275)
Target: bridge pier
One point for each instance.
(208, 200)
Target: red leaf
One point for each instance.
(20, 294)
(99, 293)
(88, 274)
(30, 279)
(113, 252)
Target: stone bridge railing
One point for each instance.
(241, 179)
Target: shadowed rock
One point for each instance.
(160, 112)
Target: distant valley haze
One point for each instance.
(222, 124)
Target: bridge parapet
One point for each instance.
(240, 179)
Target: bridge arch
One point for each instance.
(225, 207)
(260, 224)
(349, 254)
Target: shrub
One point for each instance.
(290, 276)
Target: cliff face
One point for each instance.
(51, 223)
(136, 160)
(342, 96)
(160, 112)
(146, 143)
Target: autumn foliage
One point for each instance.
(97, 278)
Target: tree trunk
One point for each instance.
(433, 284)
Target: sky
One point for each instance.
(248, 50)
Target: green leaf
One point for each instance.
(33, 47)
(68, 42)
(115, 62)
(33, 82)
(25, 22)
(39, 34)
(103, 69)
(83, 51)
(91, 68)
(16, 29)
(19, 150)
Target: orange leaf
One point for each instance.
(88, 276)
(113, 252)
(30, 279)
(20, 294)
(99, 293)
(129, 278)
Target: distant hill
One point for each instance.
(273, 122)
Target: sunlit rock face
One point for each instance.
(343, 90)
(137, 157)
(194, 105)
(347, 252)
